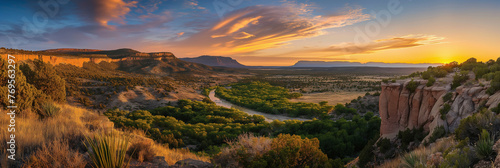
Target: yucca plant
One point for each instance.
(411, 160)
(484, 147)
(107, 151)
(49, 110)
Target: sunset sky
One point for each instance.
(262, 32)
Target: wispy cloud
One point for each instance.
(261, 27)
(104, 11)
(371, 47)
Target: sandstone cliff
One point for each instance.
(399, 109)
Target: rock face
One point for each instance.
(399, 109)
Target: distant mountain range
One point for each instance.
(215, 61)
(358, 64)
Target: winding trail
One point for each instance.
(269, 117)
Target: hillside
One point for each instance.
(358, 64)
(215, 61)
(454, 107)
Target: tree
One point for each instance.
(43, 77)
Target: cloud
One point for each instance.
(371, 47)
(383, 44)
(262, 27)
(193, 4)
(104, 11)
(180, 34)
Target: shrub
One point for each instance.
(484, 147)
(107, 151)
(472, 126)
(459, 158)
(459, 78)
(407, 136)
(439, 132)
(283, 151)
(412, 86)
(56, 154)
(412, 160)
(430, 81)
(49, 110)
(385, 80)
(384, 144)
(366, 154)
(446, 108)
(141, 150)
(447, 97)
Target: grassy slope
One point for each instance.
(46, 140)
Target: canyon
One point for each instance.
(401, 109)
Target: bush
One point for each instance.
(439, 132)
(447, 97)
(407, 136)
(141, 150)
(49, 110)
(412, 86)
(283, 151)
(484, 147)
(56, 154)
(107, 151)
(384, 144)
(44, 77)
(443, 111)
(459, 78)
(366, 154)
(472, 126)
(412, 160)
(430, 81)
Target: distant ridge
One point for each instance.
(118, 53)
(358, 64)
(215, 61)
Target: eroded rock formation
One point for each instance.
(399, 109)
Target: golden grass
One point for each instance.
(422, 152)
(56, 154)
(34, 135)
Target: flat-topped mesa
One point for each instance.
(401, 109)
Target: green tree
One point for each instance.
(44, 77)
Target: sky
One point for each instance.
(262, 32)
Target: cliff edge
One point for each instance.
(401, 108)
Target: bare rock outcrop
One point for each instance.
(401, 109)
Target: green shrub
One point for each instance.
(107, 151)
(484, 147)
(443, 111)
(412, 160)
(407, 136)
(49, 110)
(459, 78)
(412, 86)
(447, 97)
(430, 81)
(472, 126)
(384, 145)
(439, 132)
(459, 158)
(385, 80)
(366, 154)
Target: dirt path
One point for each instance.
(269, 117)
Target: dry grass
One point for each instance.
(254, 146)
(423, 152)
(56, 154)
(34, 136)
